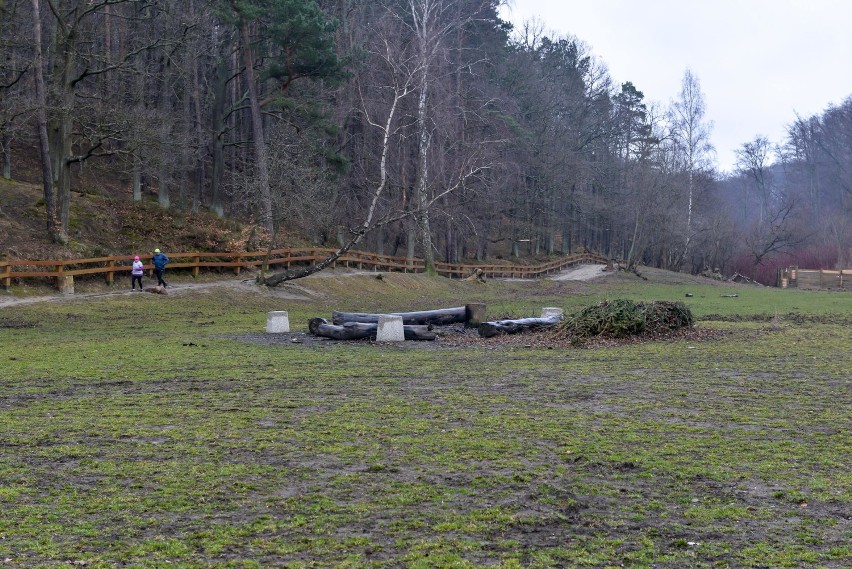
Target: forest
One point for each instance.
(427, 128)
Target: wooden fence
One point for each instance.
(64, 271)
(794, 277)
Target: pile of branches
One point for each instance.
(621, 318)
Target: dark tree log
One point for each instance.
(360, 330)
(489, 329)
(438, 317)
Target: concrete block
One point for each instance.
(390, 329)
(551, 311)
(475, 313)
(277, 322)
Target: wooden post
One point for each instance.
(4, 275)
(64, 283)
(110, 275)
(237, 268)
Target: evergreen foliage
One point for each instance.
(622, 317)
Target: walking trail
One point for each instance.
(291, 292)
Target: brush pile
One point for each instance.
(621, 318)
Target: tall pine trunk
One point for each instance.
(260, 151)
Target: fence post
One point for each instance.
(65, 284)
(110, 275)
(4, 275)
(238, 259)
(196, 269)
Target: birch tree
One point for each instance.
(691, 136)
(403, 72)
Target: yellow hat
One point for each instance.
(156, 250)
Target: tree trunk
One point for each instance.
(423, 136)
(137, 179)
(489, 329)
(260, 151)
(362, 330)
(166, 147)
(6, 144)
(220, 93)
(423, 185)
(439, 317)
(63, 125)
(410, 246)
(54, 227)
(200, 170)
(380, 241)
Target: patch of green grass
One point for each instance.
(151, 431)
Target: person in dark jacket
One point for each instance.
(160, 260)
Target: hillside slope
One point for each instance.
(102, 225)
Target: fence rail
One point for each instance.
(794, 277)
(65, 270)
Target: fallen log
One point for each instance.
(477, 275)
(360, 330)
(489, 329)
(440, 317)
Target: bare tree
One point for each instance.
(754, 161)
(692, 142)
(78, 60)
(16, 63)
(383, 113)
(772, 234)
(54, 228)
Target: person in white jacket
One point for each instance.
(136, 274)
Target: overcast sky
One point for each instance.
(759, 62)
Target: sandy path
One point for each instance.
(291, 292)
(576, 273)
(582, 273)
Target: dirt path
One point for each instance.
(576, 273)
(289, 291)
(582, 273)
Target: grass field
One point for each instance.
(138, 430)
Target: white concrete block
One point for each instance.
(277, 322)
(390, 329)
(551, 311)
